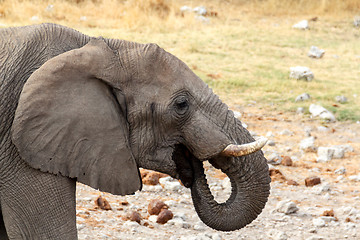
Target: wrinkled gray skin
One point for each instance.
(93, 110)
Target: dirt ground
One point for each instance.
(329, 210)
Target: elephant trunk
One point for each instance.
(250, 182)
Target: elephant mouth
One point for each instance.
(185, 160)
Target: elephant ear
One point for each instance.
(71, 122)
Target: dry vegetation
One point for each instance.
(244, 53)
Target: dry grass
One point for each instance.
(244, 53)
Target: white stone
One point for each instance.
(316, 52)
(303, 25)
(216, 236)
(319, 189)
(274, 159)
(237, 114)
(185, 9)
(340, 170)
(308, 144)
(302, 97)
(49, 8)
(323, 129)
(287, 207)
(341, 99)
(321, 112)
(200, 10)
(300, 72)
(325, 154)
(328, 219)
(269, 134)
(339, 152)
(300, 110)
(83, 18)
(170, 184)
(286, 132)
(355, 178)
(357, 21)
(318, 222)
(131, 224)
(34, 18)
(153, 218)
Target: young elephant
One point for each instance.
(93, 110)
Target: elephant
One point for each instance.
(94, 110)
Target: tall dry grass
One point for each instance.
(159, 15)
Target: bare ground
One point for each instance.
(337, 192)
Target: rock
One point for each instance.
(312, 181)
(185, 9)
(287, 207)
(318, 222)
(286, 132)
(328, 219)
(170, 184)
(308, 144)
(321, 112)
(357, 21)
(102, 203)
(216, 236)
(269, 134)
(200, 10)
(340, 170)
(134, 216)
(341, 99)
(152, 177)
(286, 161)
(292, 183)
(303, 25)
(316, 238)
(300, 110)
(178, 222)
(323, 129)
(347, 148)
(271, 143)
(300, 72)
(325, 154)
(199, 226)
(315, 52)
(339, 152)
(155, 206)
(83, 19)
(274, 159)
(302, 97)
(34, 18)
(355, 178)
(153, 218)
(320, 189)
(164, 216)
(49, 8)
(237, 114)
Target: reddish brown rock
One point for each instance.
(151, 177)
(312, 181)
(135, 216)
(292, 182)
(276, 175)
(328, 213)
(155, 206)
(102, 203)
(286, 161)
(164, 216)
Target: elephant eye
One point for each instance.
(181, 106)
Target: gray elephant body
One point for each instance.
(93, 110)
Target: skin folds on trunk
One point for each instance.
(250, 182)
(250, 189)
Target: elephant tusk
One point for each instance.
(233, 150)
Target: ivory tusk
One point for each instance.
(233, 150)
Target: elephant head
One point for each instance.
(99, 112)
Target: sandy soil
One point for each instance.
(337, 192)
